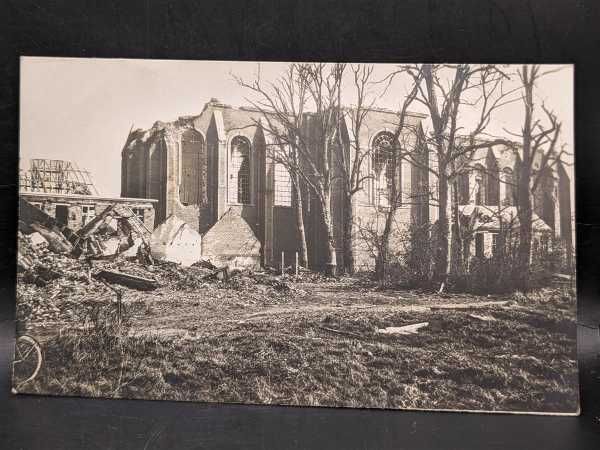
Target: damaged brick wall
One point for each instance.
(75, 204)
(152, 168)
(231, 241)
(216, 127)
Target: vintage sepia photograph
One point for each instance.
(396, 236)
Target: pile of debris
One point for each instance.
(61, 271)
(56, 286)
(117, 230)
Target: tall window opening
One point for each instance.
(240, 176)
(510, 188)
(480, 185)
(548, 203)
(386, 170)
(135, 173)
(493, 182)
(463, 188)
(191, 177)
(479, 245)
(283, 186)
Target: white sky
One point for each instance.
(81, 109)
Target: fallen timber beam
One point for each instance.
(406, 329)
(474, 305)
(131, 281)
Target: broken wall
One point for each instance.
(47, 203)
(168, 163)
(176, 241)
(231, 242)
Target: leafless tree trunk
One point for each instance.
(539, 142)
(351, 160)
(349, 264)
(445, 98)
(324, 86)
(440, 267)
(299, 215)
(283, 107)
(525, 209)
(331, 263)
(399, 152)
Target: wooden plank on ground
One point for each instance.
(131, 281)
(473, 305)
(407, 329)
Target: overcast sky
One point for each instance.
(81, 109)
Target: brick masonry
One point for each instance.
(152, 168)
(232, 241)
(76, 203)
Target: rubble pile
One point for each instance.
(116, 230)
(63, 274)
(56, 287)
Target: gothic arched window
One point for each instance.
(481, 185)
(190, 188)
(240, 171)
(493, 181)
(547, 187)
(510, 187)
(463, 188)
(386, 169)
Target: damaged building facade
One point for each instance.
(66, 193)
(487, 197)
(75, 210)
(60, 209)
(213, 171)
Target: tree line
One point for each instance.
(317, 155)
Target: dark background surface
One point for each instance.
(553, 31)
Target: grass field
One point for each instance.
(318, 345)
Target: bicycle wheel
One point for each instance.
(28, 360)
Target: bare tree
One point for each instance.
(282, 104)
(308, 136)
(537, 157)
(325, 86)
(351, 161)
(398, 151)
(446, 91)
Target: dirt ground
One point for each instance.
(317, 344)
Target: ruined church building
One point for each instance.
(213, 172)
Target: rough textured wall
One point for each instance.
(544, 203)
(367, 214)
(152, 168)
(176, 241)
(285, 235)
(48, 204)
(166, 161)
(372, 219)
(231, 241)
(155, 187)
